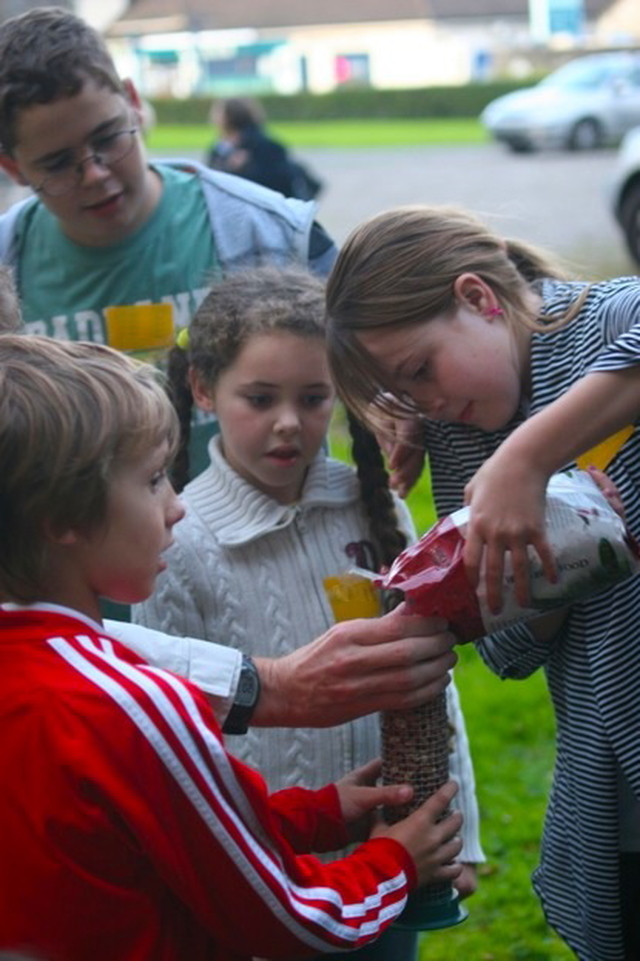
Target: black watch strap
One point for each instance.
(246, 698)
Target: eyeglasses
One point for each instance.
(66, 172)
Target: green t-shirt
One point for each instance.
(66, 289)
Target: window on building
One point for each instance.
(352, 69)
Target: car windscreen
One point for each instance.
(580, 75)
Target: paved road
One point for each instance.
(557, 200)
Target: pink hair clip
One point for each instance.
(493, 312)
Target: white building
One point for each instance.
(223, 47)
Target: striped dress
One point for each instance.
(593, 665)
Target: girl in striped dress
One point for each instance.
(514, 369)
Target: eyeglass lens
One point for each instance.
(105, 150)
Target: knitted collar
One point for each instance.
(239, 513)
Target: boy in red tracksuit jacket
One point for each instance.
(128, 831)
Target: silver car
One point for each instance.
(590, 101)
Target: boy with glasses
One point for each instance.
(112, 248)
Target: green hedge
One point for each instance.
(460, 101)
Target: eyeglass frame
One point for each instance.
(77, 168)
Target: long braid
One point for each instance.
(180, 392)
(407, 737)
(375, 491)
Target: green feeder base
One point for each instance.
(430, 908)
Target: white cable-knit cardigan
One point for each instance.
(248, 571)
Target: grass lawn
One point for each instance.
(335, 133)
(511, 733)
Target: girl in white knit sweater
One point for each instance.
(273, 522)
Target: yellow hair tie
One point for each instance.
(182, 340)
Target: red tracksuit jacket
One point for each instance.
(128, 833)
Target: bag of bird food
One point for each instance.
(590, 542)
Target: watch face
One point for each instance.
(245, 700)
(248, 686)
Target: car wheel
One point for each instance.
(630, 219)
(585, 135)
(520, 146)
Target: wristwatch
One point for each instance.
(244, 703)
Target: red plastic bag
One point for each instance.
(591, 546)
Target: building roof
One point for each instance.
(263, 14)
(266, 14)
(483, 9)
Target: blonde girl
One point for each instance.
(436, 319)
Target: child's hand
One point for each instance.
(401, 441)
(430, 836)
(507, 501)
(466, 883)
(360, 796)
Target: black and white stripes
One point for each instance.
(593, 667)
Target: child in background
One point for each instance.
(430, 313)
(128, 831)
(246, 149)
(273, 519)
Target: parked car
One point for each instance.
(590, 101)
(624, 190)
